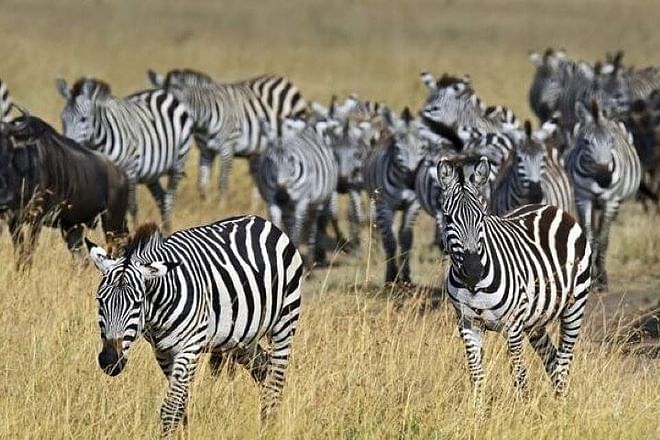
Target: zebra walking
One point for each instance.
(389, 177)
(533, 174)
(605, 170)
(297, 176)
(513, 274)
(147, 135)
(218, 288)
(227, 116)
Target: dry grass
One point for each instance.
(369, 363)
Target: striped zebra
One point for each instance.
(627, 85)
(643, 121)
(146, 134)
(227, 115)
(296, 176)
(546, 85)
(218, 288)
(350, 146)
(533, 174)
(5, 102)
(513, 274)
(605, 170)
(389, 178)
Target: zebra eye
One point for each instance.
(83, 119)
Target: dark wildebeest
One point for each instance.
(49, 180)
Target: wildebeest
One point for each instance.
(47, 179)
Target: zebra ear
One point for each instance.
(157, 269)
(63, 88)
(446, 173)
(428, 80)
(536, 59)
(99, 256)
(155, 79)
(481, 172)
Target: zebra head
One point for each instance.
(78, 114)
(448, 98)
(121, 297)
(593, 140)
(409, 147)
(529, 160)
(349, 149)
(464, 211)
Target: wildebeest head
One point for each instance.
(79, 111)
(16, 162)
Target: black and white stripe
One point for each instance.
(147, 135)
(219, 288)
(605, 170)
(533, 174)
(514, 274)
(389, 178)
(227, 115)
(297, 176)
(5, 102)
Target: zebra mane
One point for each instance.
(449, 80)
(142, 237)
(93, 85)
(191, 77)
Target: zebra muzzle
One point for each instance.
(603, 177)
(535, 193)
(471, 270)
(111, 359)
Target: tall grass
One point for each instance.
(369, 362)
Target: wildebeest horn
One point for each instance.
(21, 110)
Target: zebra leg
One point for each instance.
(206, 158)
(355, 217)
(331, 213)
(275, 214)
(544, 348)
(278, 361)
(472, 334)
(227, 160)
(179, 375)
(607, 217)
(585, 217)
(255, 359)
(385, 223)
(219, 360)
(514, 338)
(168, 201)
(569, 331)
(300, 215)
(132, 201)
(406, 239)
(316, 236)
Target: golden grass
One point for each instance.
(368, 362)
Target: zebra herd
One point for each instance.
(502, 195)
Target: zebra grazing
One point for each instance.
(217, 288)
(605, 170)
(296, 176)
(5, 102)
(389, 177)
(513, 274)
(146, 134)
(532, 174)
(227, 115)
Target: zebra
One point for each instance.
(547, 81)
(513, 274)
(389, 178)
(227, 115)
(605, 170)
(296, 176)
(218, 288)
(349, 146)
(5, 102)
(146, 134)
(533, 174)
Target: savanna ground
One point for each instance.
(369, 362)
